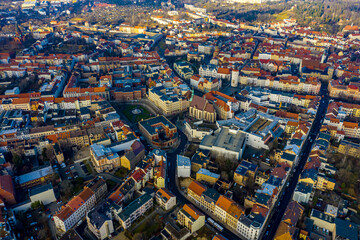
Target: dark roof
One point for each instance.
(346, 229)
(41, 189)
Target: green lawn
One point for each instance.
(149, 227)
(127, 111)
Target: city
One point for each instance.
(174, 120)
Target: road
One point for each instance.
(279, 210)
(172, 186)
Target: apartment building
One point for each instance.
(165, 198)
(191, 218)
(75, 210)
(224, 105)
(170, 101)
(134, 210)
(99, 221)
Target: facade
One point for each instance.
(250, 226)
(75, 210)
(302, 193)
(99, 221)
(44, 194)
(183, 166)
(191, 218)
(207, 176)
(135, 210)
(349, 148)
(224, 105)
(201, 109)
(36, 177)
(165, 199)
(159, 132)
(244, 171)
(7, 190)
(167, 101)
(103, 158)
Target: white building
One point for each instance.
(165, 198)
(44, 194)
(249, 227)
(183, 166)
(99, 221)
(134, 210)
(75, 210)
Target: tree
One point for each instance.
(138, 236)
(35, 205)
(66, 188)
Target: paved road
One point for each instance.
(172, 186)
(278, 211)
(111, 177)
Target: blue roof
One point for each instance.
(346, 229)
(183, 161)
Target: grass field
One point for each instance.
(149, 227)
(127, 111)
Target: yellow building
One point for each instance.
(246, 170)
(349, 148)
(191, 218)
(103, 158)
(233, 214)
(195, 191)
(168, 105)
(291, 127)
(324, 183)
(207, 176)
(159, 175)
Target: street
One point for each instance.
(172, 186)
(278, 211)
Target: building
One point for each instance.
(195, 191)
(168, 100)
(75, 210)
(99, 187)
(36, 177)
(126, 153)
(103, 158)
(159, 132)
(170, 232)
(323, 220)
(7, 190)
(224, 105)
(228, 211)
(302, 193)
(183, 166)
(44, 194)
(204, 175)
(191, 218)
(349, 148)
(346, 230)
(165, 199)
(197, 130)
(135, 210)
(201, 109)
(250, 226)
(245, 171)
(226, 144)
(99, 221)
